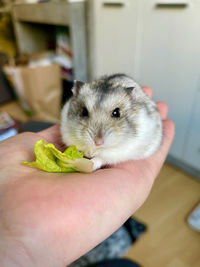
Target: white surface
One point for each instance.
(191, 153)
(169, 62)
(112, 37)
(194, 219)
(7, 134)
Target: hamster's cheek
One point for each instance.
(112, 139)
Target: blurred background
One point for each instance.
(45, 45)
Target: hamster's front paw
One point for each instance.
(97, 163)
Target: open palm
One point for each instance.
(51, 219)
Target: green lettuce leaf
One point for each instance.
(50, 159)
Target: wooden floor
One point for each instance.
(169, 241)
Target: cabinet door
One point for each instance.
(112, 27)
(169, 59)
(192, 150)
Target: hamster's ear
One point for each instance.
(76, 87)
(129, 90)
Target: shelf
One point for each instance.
(33, 25)
(4, 10)
(47, 13)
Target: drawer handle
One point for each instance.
(172, 4)
(110, 3)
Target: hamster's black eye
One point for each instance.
(84, 112)
(116, 113)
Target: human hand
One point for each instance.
(51, 219)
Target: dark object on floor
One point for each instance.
(34, 126)
(115, 263)
(113, 247)
(135, 228)
(6, 91)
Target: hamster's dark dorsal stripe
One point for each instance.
(106, 85)
(103, 86)
(114, 76)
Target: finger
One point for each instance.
(168, 136)
(163, 109)
(148, 91)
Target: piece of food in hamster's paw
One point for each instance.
(50, 159)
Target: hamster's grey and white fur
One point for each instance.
(111, 120)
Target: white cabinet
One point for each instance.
(112, 29)
(169, 61)
(158, 43)
(191, 153)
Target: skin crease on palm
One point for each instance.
(51, 219)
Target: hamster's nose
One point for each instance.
(99, 140)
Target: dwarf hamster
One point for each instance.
(111, 120)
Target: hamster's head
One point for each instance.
(100, 115)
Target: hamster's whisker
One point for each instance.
(91, 135)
